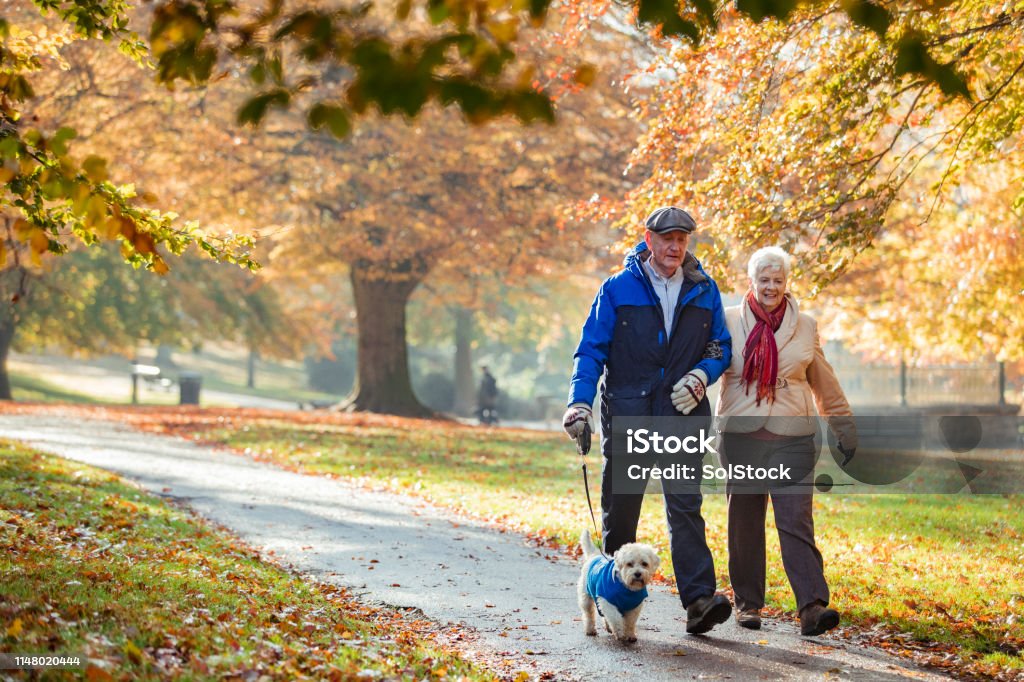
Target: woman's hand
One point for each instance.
(847, 454)
(689, 391)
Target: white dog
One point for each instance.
(616, 587)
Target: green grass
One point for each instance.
(947, 569)
(223, 369)
(26, 388)
(280, 392)
(96, 568)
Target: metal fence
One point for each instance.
(900, 385)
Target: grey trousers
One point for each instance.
(748, 506)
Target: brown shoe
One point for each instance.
(817, 618)
(749, 618)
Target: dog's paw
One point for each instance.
(592, 632)
(630, 640)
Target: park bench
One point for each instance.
(152, 375)
(189, 383)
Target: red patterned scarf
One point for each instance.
(760, 354)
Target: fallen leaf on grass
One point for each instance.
(14, 629)
(133, 652)
(94, 673)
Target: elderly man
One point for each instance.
(657, 334)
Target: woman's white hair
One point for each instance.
(768, 257)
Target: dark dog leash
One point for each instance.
(583, 447)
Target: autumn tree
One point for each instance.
(93, 304)
(390, 205)
(39, 295)
(534, 317)
(900, 195)
(399, 206)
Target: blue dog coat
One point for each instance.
(603, 581)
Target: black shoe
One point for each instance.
(706, 613)
(816, 619)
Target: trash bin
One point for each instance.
(189, 384)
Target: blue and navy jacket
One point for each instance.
(624, 340)
(603, 581)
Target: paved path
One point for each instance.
(403, 552)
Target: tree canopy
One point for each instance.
(336, 64)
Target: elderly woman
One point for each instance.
(766, 418)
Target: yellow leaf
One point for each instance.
(159, 266)
(585, 74)
(132, 651)
(14, 629)
(23, 229)
(95, 168)
(39, 242)
(522, 676)
(96, 212)
(504, 31)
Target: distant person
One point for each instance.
(767, 418)
(487, 397)
(656, 334)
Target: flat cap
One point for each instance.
(668, 218)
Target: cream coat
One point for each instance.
(805, 381)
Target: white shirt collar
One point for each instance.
(676, 277)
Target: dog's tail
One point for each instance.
(587, 545)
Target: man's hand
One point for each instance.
(576, 419)
(689, 391)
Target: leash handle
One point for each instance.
(583, 440)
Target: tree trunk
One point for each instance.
(250, 379)
(6, 336)
(465, 395)
(164, 357)
(382, 363)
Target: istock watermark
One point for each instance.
(645, 441)
(650, 442)
(956, 454)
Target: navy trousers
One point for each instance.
(691, 558)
